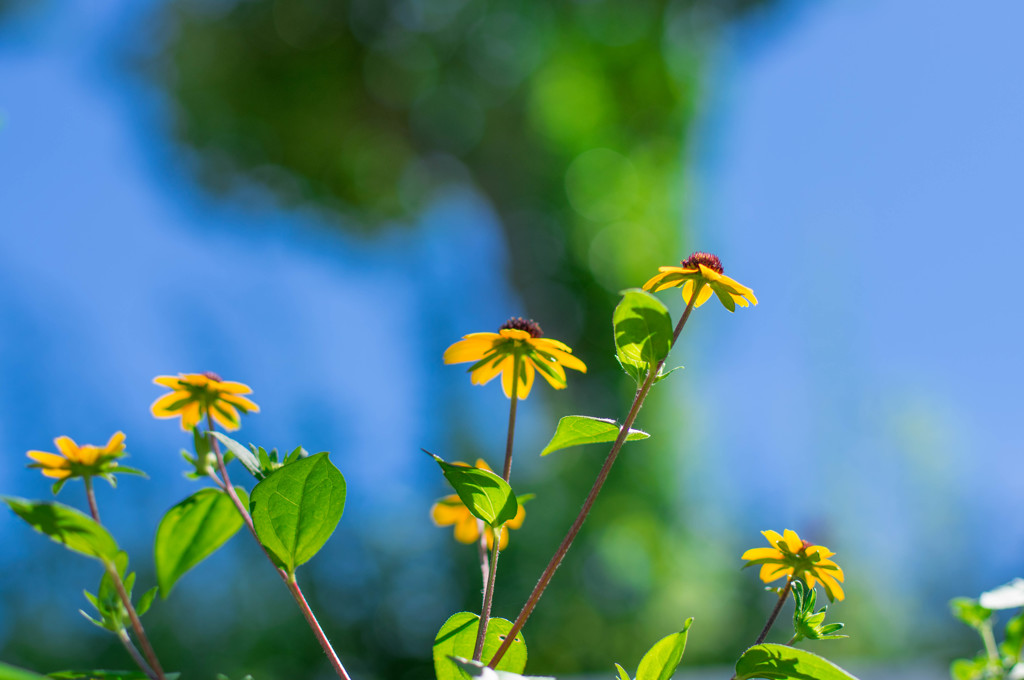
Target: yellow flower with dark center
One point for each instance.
(195, 395)
(451, 510)
(703, 272)
(791, 556)
(78, 461)
(517, 342)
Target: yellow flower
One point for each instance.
(791, 556)
(451, 510)
(496, 353)
(703, 271)
(78, 461)
(198, 394)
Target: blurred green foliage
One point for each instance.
(573, 119)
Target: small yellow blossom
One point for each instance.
(702, 271)
(451, 510)
(496, 353)
(195, 395)
(78, 461)
(791, 556)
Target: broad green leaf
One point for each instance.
(577, 430)
(191, 531)
(297, 507)
(244, 455)
(661, 661)
(643, 332)
(779, 662)
(488, 496)
(457, 638)
(476, 669)
(12, 673)
(75, 530)
(623, 675)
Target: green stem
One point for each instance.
(481, 545)
(775, 612)
(133, 652)
(289, 580)
(90, 496)
(485, 609)
(602, 475)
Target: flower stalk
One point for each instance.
(602, 475)
(289, 579)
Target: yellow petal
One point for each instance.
(514, 334)
(448, 510)
(67, 446)
(226, 415)
(702, 297)
(503, 543)
(88, 454)
(566, 359)
(527, 372)
(822, 552)
(773, 536)
(761, 553)
(488, 371)
(770, 572)
(170, 404)
(115, 444)
(56, 474)
(481, 464)
(190, 416)
(518, 520)
(230, 387)
(468, 529)
(50, 460)
(548, 344)
(246, 405)
(507, 374)
(832, 569)
(471, 348)
(172, 381)
(792, 540)
(832, 586)
(558, 379)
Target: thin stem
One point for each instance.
(481, 545)
(153, 670)
(990, 643)
(140, 633)
(296, 592)
(90, 495)
(507, 472)
(133, 652)
(293, 586)
(602, 475)
(485, 610)
(775, 612)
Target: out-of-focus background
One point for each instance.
(317, 197)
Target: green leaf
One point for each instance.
(191, 531)
(1013, 638)
(970, 611)
(477, 669)
(297, 507)
(146, 601)
(780, 662)
(577, 430)
(643, 332)
(12, 673)
(243, 454)
(75, 530)
(661, 661)
(623, 675)
(457, 638)
(488, 496)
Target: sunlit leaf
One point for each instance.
(297, 507)
(12, 673)
(191, 531)
(488, 496)
(244, 455)
(457, 638)
(67, 526)
(661, 661)
(623, 675)
(778, 662)
(477, 669)
(577, 430)
(643, 332)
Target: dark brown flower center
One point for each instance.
(213, 376)
(707, 259)
(521, 324)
